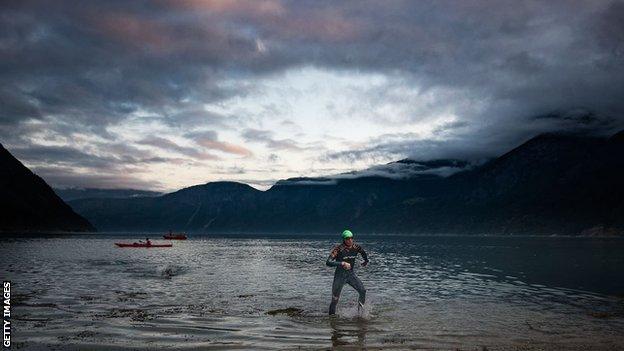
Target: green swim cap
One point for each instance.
(347, 234)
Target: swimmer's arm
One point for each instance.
(364, 256)
(331, 260)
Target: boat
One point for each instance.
(142, 245)
(172, 236)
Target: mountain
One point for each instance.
(29, 204)
(68, 194)
(211, 206)
(551, 184)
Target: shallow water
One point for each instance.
(82, 292)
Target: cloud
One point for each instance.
(64, 177)
(68, 155)
(389, 147)
(500, 71)
(122, 156)
(195, 116)
(266, 137)
(16, 107)
(307, 181)
(273, 158)
(409, 169)
(209, 140)
(169, 145)
(450, 127)
(234, 7)
(225, 147)
(63, 166)
(260, 184)
(524, 58)
(403, 169)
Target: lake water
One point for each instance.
(525, 293)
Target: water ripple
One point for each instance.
(215, 294)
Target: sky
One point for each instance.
(161, 95)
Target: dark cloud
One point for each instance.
(195, 115)
(450, 127)
(580, 121)
(68, 155)
(386, 151)
(100, 61)
(96, 63)
(408, 169)
(71, 167)
(608, 30)
(80, 68)
(120, 156)
(394, 170)
(16, 107)
(64, 177)
(390, 147)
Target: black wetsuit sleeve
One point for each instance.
(331, 260)
(364, 254)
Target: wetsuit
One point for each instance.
(342, 253)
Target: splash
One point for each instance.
(169, 271)
(357, 310)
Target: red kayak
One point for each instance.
(175, 236)
(142, 245)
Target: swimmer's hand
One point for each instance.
(346, 265)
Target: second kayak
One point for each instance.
(175, 236)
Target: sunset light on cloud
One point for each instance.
(178, 93)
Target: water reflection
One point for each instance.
(348, 332)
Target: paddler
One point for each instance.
(343, 258)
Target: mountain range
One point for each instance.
(68, 194)
(553, 184)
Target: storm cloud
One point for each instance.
(213, 82)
